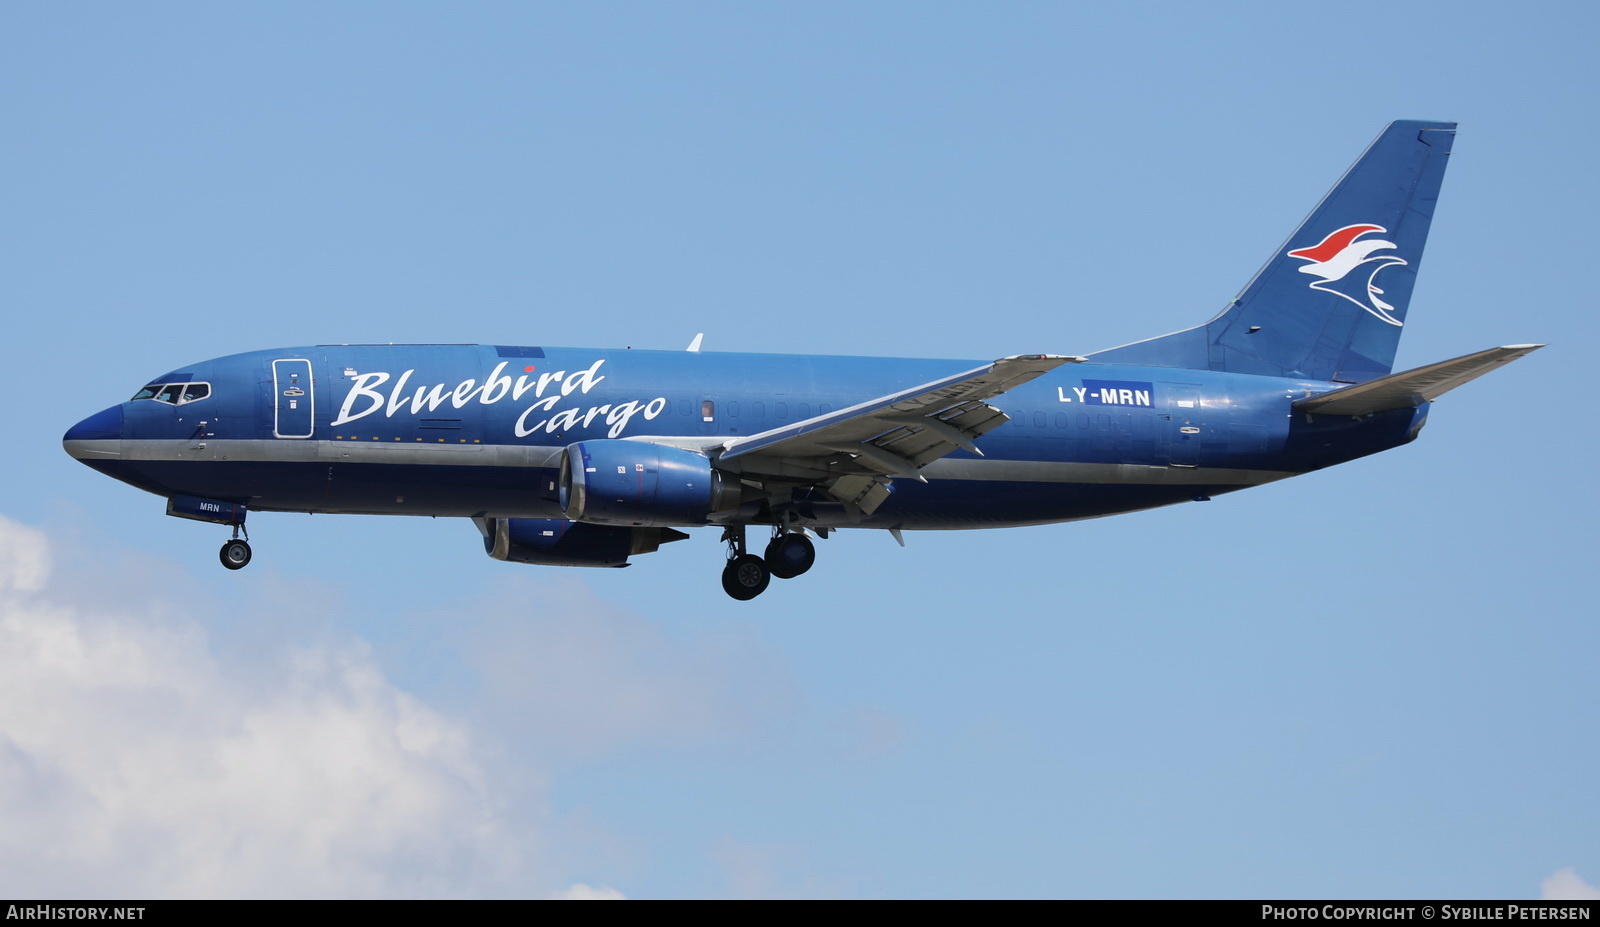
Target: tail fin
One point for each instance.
(1331, 302)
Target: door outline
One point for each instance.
(287, 396)
(1185, 424)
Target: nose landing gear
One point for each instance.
(235, 553)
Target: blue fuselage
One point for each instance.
(477, 430)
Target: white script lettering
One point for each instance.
(549, 388)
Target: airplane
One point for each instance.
(587, 457)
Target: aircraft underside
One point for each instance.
(498, 492)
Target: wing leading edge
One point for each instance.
(854, 452)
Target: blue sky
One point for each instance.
(1375, 681)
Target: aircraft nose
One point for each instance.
(88, 437)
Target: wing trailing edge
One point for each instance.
(854, 453)
(950, 412)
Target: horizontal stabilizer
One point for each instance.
(1412, 387)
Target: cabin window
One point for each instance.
(780, 409)
(708, 411)
(1038, 419)
(732, 409)
(824, 409)
(683, 408)
(803, 409)
(195, 392)
(758, 409)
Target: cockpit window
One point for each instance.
(174, 393)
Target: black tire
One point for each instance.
(745, 577)
(234, 554)
(790, 555)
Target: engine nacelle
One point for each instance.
(642, 484)
(557, 542)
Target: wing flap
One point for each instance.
(897, 434)
(1413, 387)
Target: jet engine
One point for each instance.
(641, 484)
(557, 542)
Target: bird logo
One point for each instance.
(1337, 261)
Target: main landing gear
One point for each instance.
(789, 555)
(746, 576)
(235, 553)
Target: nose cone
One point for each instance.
(98, 436)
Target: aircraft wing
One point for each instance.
(852, 450)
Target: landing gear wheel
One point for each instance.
(745, 577)
(235, 554)
(789, 555)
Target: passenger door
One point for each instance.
(293, 398)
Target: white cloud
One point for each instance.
(135, 762)
(582, 892)
(24, 558)
(1565, 885)
(157, 744)
(143, 756)
(758, 871)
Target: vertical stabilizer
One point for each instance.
(1331, 302)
